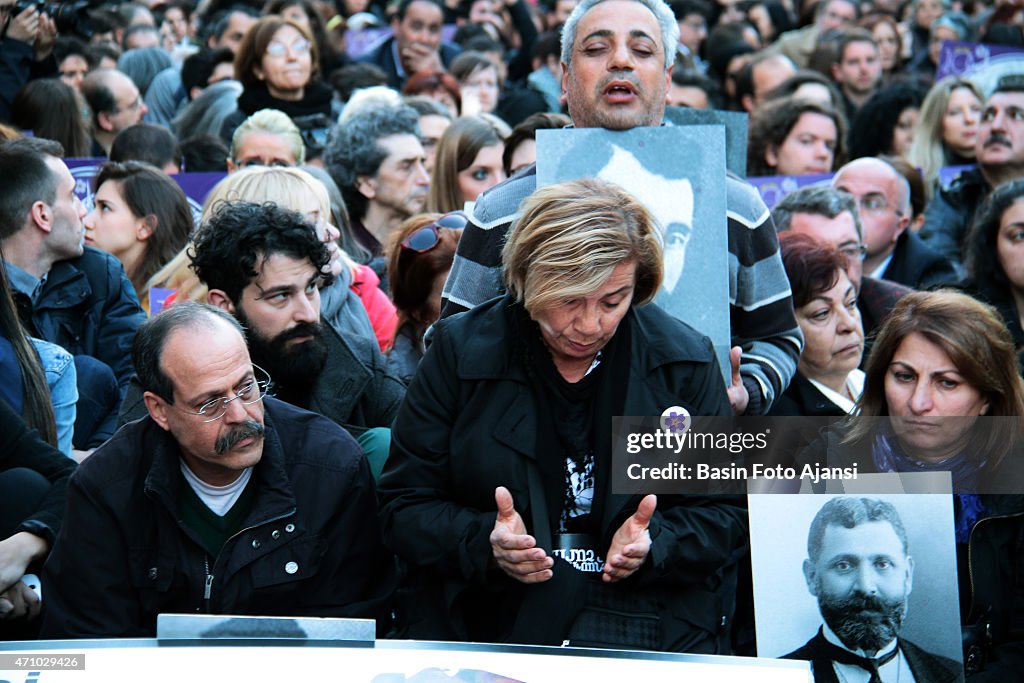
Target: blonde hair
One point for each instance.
(928, 150)
(276, 123)
(282, 186)
(571, 236)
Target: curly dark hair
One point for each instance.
(237, 235)
(352, 148)
(771, 124)
(871, 131)
(984, 272)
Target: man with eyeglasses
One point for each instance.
(267, 138)
(893, 252)
(221, 500)
(115, 103)
(831, 216)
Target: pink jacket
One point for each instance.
(379, 308)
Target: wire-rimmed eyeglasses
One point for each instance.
(854, 252)
(253, 390)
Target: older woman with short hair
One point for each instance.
(502, 449)
(827, 381)
(277, 64)
(267, 138)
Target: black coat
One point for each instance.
(917, 265)
(927, 667)
(992, 592)
(22, 447)
(88, 306)
(383, 56)
(803, 399)
(315, 101)
(311, 545)
(469, 424)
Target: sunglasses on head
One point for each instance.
(427, 237)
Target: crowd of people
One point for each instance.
(383, 382)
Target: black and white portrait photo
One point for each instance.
(863, 587)
(676, 172)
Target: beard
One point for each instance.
(293, 367)
(863, 622)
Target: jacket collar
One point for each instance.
(274, 497)
(488, 351)
(343, 380)
(66, 285)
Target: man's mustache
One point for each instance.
(998, 139)
(620, 76)
(250, 428)
(301, 330)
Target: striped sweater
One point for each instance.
(761, 305)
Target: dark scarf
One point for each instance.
(315, 100)
(889, 457)
(602, 389)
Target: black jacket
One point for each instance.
(927, 667)
(801, 398)
(992, 590)
(875, 300)
(917, 265)
(22, 447)
(383, 56)
(311, 545)
(316, 100)
(88, 306)
(950, 213)
(469, 424)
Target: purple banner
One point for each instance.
(195, 185)
(774, 187)
(947, 174)
(157, 299)
(963, 59)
